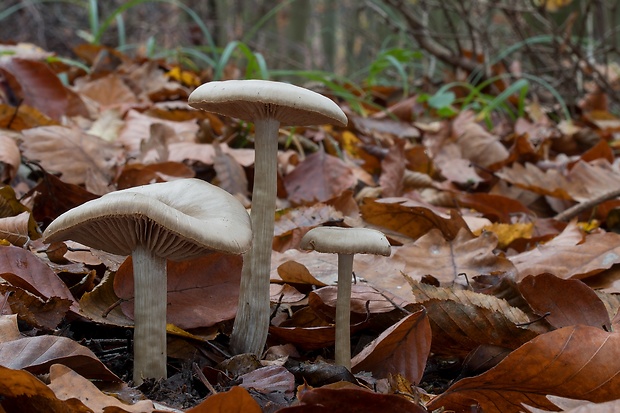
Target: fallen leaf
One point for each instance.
(568, 302)
(461, 320)
(72, 153)
(22, 269)
(236, 400)
(23, 392)
(15, 229)
(579, 362)
(67, 384)
(201, 292)
(401, 349)
(37, 354)
(393, 170)
(476, 143)
(320, 400)
(448, 261)
(10, 156)
(319, 177)
(36, 312)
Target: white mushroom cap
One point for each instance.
(177, 220)
(338, 240)
(257, 99)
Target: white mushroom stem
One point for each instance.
(150, 298)
(343, 311)
(252, 321)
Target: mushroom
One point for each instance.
(177, 220)
(345, 242)
(268, 104)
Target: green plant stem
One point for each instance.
(150, 297)
(343, 311)
(252, 322)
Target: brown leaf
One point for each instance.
(477, 144)
(236, 400)
(201, 292)
(401, 349)
(461, 320)
(447, 260)
(568, 302)
(579, 362)
(319, 177)
(9, 330)
(568, 258)
(37, 354)
(393, 170)
(494, 207)
(137, 174)
(108, 91)
(72, 153)
(22, 117)
(269, 379)
(23, 392)
(10, 157)
(102, 304)
(413, 221)
(42, 89)
(43, 314)
(55, 197)
(579, 406)
(67, 384)
(15, 229)
(23, 269)
(230, 174)
(321, 400)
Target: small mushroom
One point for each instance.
(345, 242)
(177, 220)
(269, 105)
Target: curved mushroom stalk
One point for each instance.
(269, 105)
(345, 242)
(177, 220)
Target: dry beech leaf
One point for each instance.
(108, 91)
(319, 177)
(578, 362)
(15, 229)
(567, 256)
(270, 379)
(236, 400)
(20, 391)
(37, 354)
(42, 89)
(23, 269)
(347, 399)
(138, 129)
(10, 156)
(447, 261)
(461, 320)
(401, 349)
(393, 170)
(230, 174)
(139, 174)
(568, 302)
(8, 328)
(22, 117)
(497, 208)
(201, 292)
(364, 299)
(476, 143)
(39, 313)
(586, 180)
(71, 152)
(284, 293)
(578, 406)
(508, 233)
(67, 384)
(65, 196)
(413, 221)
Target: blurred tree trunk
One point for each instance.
(329, 33)
(300, 13)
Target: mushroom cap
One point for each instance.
(339, 240)
(177, 220)
(258, 99)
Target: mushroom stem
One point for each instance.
(343, 311)
(252, 321)
(150, 297)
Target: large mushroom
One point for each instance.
(269, 105)
(345, 242)
(177, 220)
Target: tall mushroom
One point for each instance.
(268, 104)
(175, 220)
(345, 242)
